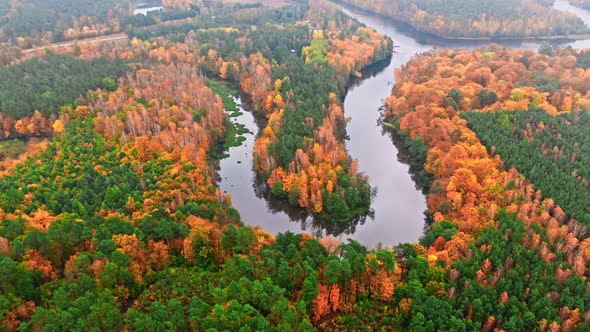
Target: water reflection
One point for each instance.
(309, 224)
(252, 197)
(370, 71)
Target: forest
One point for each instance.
(35, 92)
(477, 19)
(27, 22)
(480, 200)
(111, 217)
(122, 203)
(522, 104)
(52, 81)
(300, 152)
(37, 22)
(545, 148)
(303, 156)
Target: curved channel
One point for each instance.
(398, 208)
(238, 179)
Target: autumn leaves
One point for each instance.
(472, 185)
(154, 116)
(300, 151)
(475, 19)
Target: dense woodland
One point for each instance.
(27, 22)
(545, 148)
(301, 150)
(477, 19)
(129, 180)
(46, 84)
(36, 22)
(482, 199)
(113, 219)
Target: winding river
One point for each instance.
(398, 208)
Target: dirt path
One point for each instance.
(115, 36)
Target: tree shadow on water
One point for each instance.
(309, 223)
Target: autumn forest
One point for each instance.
(114, 125)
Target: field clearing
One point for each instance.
(11, 148)
(269, 3)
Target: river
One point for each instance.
(237, 178)
(398, 208)
(145, 11)
(145, 7)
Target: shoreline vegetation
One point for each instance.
(476, 190)
(300, 152)
(490, 38)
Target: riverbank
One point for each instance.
(397, 211)
(490, 39)
(252, 196)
